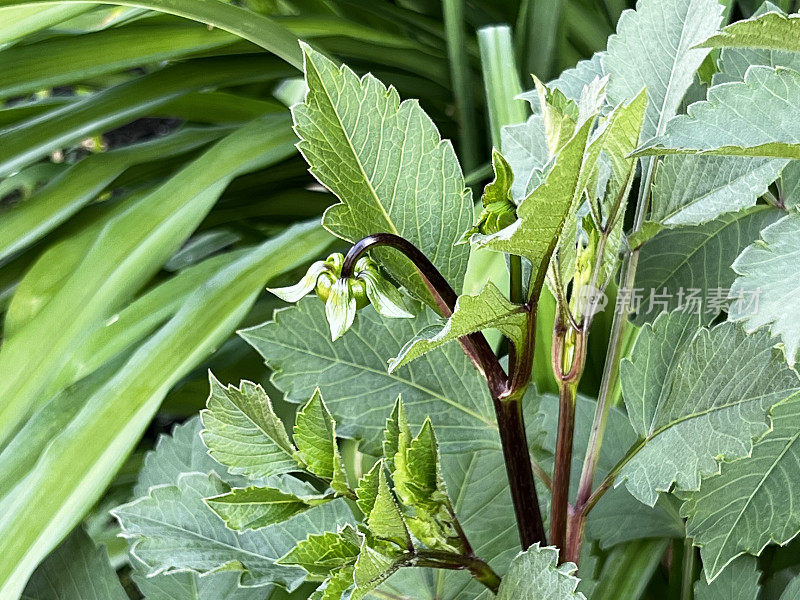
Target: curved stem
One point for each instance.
(478, 568)
(507, 399)
(475, 344)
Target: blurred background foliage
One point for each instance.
(148, 188)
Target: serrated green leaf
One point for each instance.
(243, 432)
(755, 117)
(392, 171)
(689, 190)
(76, 570)
(417, 478)
(536, 574)
(315, 436)
(335, 587)
(385, 520)
(172, 529)
(654, 49)
(489, 309)
(713, 386)
(542, 214)
(372, 568)
(768, 278)
(773, 31)
(752, 502)
(326, 552)
(367, 489)
(396, 425)
(352, 375)
(258, 507)
(738, 582)
(688, 267)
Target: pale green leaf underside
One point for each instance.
(541, 215)
(258, 507)
(243, 432)
(654, 49)
(772, 31)
(768, 274)
(76, 570)
(182, 451)
(692, 262)
(172, 529)
(738, 582)
(220, 585)
(694, 189)
(535, 574)
(489, 309)
(756, 117)
(524, 146)
(711, 395)
(753, 501)
(352, 375)
(387, 164)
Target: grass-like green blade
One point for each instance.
(68, 59)
(251, 26)
(123, 257)
(18, 21)
(120, 104)
(96, 442)
(68, 193)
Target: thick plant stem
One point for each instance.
(511, 423)
(478, 568)
(562, 471)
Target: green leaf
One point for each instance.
(773, 31)
(372, 568)
(688, 267)
(535, 574)
(249, 25)
(525, 148)
(315, 436)
(76, 570)
(417, 479)
(352, 375)
(755, 117)
(689, 190)
(258, 507)
(367, 490)
(542, 214)
(767, 280)
(489, 309)
(219, 585)
(710, 396)
(738, 582)
(182, 451)
(393, 173)
(172, 529)
(752, 502)
(396, 425)
(243, 433)
(385, 520)
(791, 590)
(654, 49)
(323, 553)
